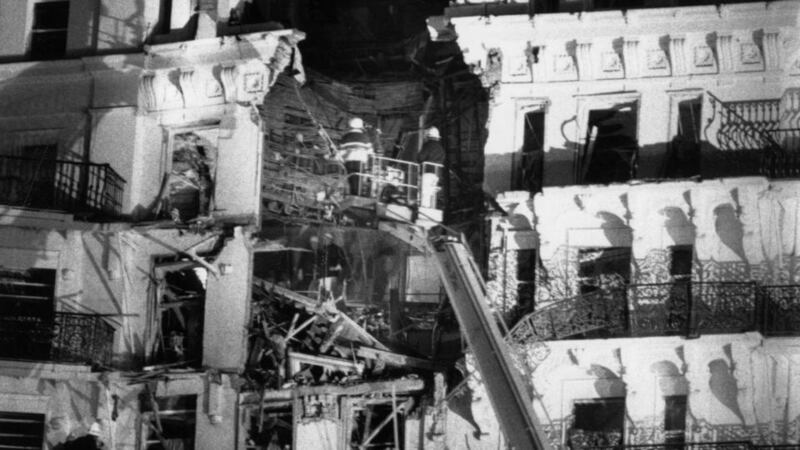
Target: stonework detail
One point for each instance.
(771, 50)
(677, 54)
(631, 58)
(584, 56)
(725, 52)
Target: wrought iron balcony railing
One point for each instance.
(72, 186)
(731, 445)
(685, 308)
(62, 337)
(602, 311)
(691, 308)
(781, 310)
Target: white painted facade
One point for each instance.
(112, 100)
(737, 386)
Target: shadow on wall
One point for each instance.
(43, 163)
(723, 384)
(730, 228)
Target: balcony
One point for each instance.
(74, 187)
(681, 308)
(731, 445)
(62, 338)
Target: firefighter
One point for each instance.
(431, 152)
(355, 149)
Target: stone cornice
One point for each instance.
(215, 71)
(646, 43)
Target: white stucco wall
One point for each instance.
(738, 388)
(594, 60)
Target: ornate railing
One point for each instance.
(61, 337)
(72, 186)
(750, 141)
(690, 308)
(781, 306)
(603, 311)
(686, 308)
(732, 445)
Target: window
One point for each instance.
(49, 33)
(597, 423)
(603, 268)
(526, 277)
(191, 179)
(675, 419)
(529, 162)
(170, 422)
(181, 301)
(27, 306)
(21, 431)
(610, 152)
(683, 159)
(680, 262)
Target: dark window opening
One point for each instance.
(683, 159)
(49, 33)
(529, 162)
(260, 11)
(675, 419)
(526, 277)
(271, 427)
(170, 422)
(191, 181)
(680, 262)
(181, 302)
(27, 309)
(373, 428)
(598, 423)
(611, 149)
(603, 268)
(21, 431)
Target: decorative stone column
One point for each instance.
(584, 56)
(771, 50)
(677, 54)
(630, 54)
(725, 51)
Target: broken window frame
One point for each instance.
(153, 416)
(395, 418)
(524, 107)
(154, 353)
(255, 416)
(583, 133)
(171, 133)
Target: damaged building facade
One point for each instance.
(646, 160)
(160, 207)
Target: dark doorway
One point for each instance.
(603, 268)
(675, 419)
(526, 278)
(611, 148)
(683, 159)
(598, 423)
(170, 422)
(27, 310)
(528, 164)
(181, 309)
